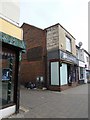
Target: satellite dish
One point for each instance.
(80, 44)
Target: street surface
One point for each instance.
(71, 103)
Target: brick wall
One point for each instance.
(33, 61)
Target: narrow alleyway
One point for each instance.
(71, 103)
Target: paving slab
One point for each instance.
(71, 103)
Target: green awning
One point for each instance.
(12, 41)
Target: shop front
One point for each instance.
(63, 71)
(82, 72)
(88, 76)
(10, 49)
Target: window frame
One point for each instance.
(87, 58)
(70, 44)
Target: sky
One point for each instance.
(71, 14)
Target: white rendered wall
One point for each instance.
(7, 111)
(4, 113)
(10, 9)
(81, 64)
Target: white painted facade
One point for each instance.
(10, 10)
(86, 59)
(87, 66)
(4, 113)
(84, 65)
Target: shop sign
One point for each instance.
(68, 57)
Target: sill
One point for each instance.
(69, 52)
(8, 105)
(55, 85)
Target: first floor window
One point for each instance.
(68, 44)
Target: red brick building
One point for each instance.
(50, 57)
(33, 61)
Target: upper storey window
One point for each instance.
(68, 44)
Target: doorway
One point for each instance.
(69, 74)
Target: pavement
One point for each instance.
(71, 103)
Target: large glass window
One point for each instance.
(63, 74)
(88, 75)
(7, 80)
(54, 73)
(68, 44)
(81, 73)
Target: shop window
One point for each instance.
(81, 73)
(7, 80)
(87, 59)
(88, 75)
(54, 73)
(63, 75)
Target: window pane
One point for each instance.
(81, 73)
(54, 73)
(63, 74)
(68, 44)
(8, 72)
